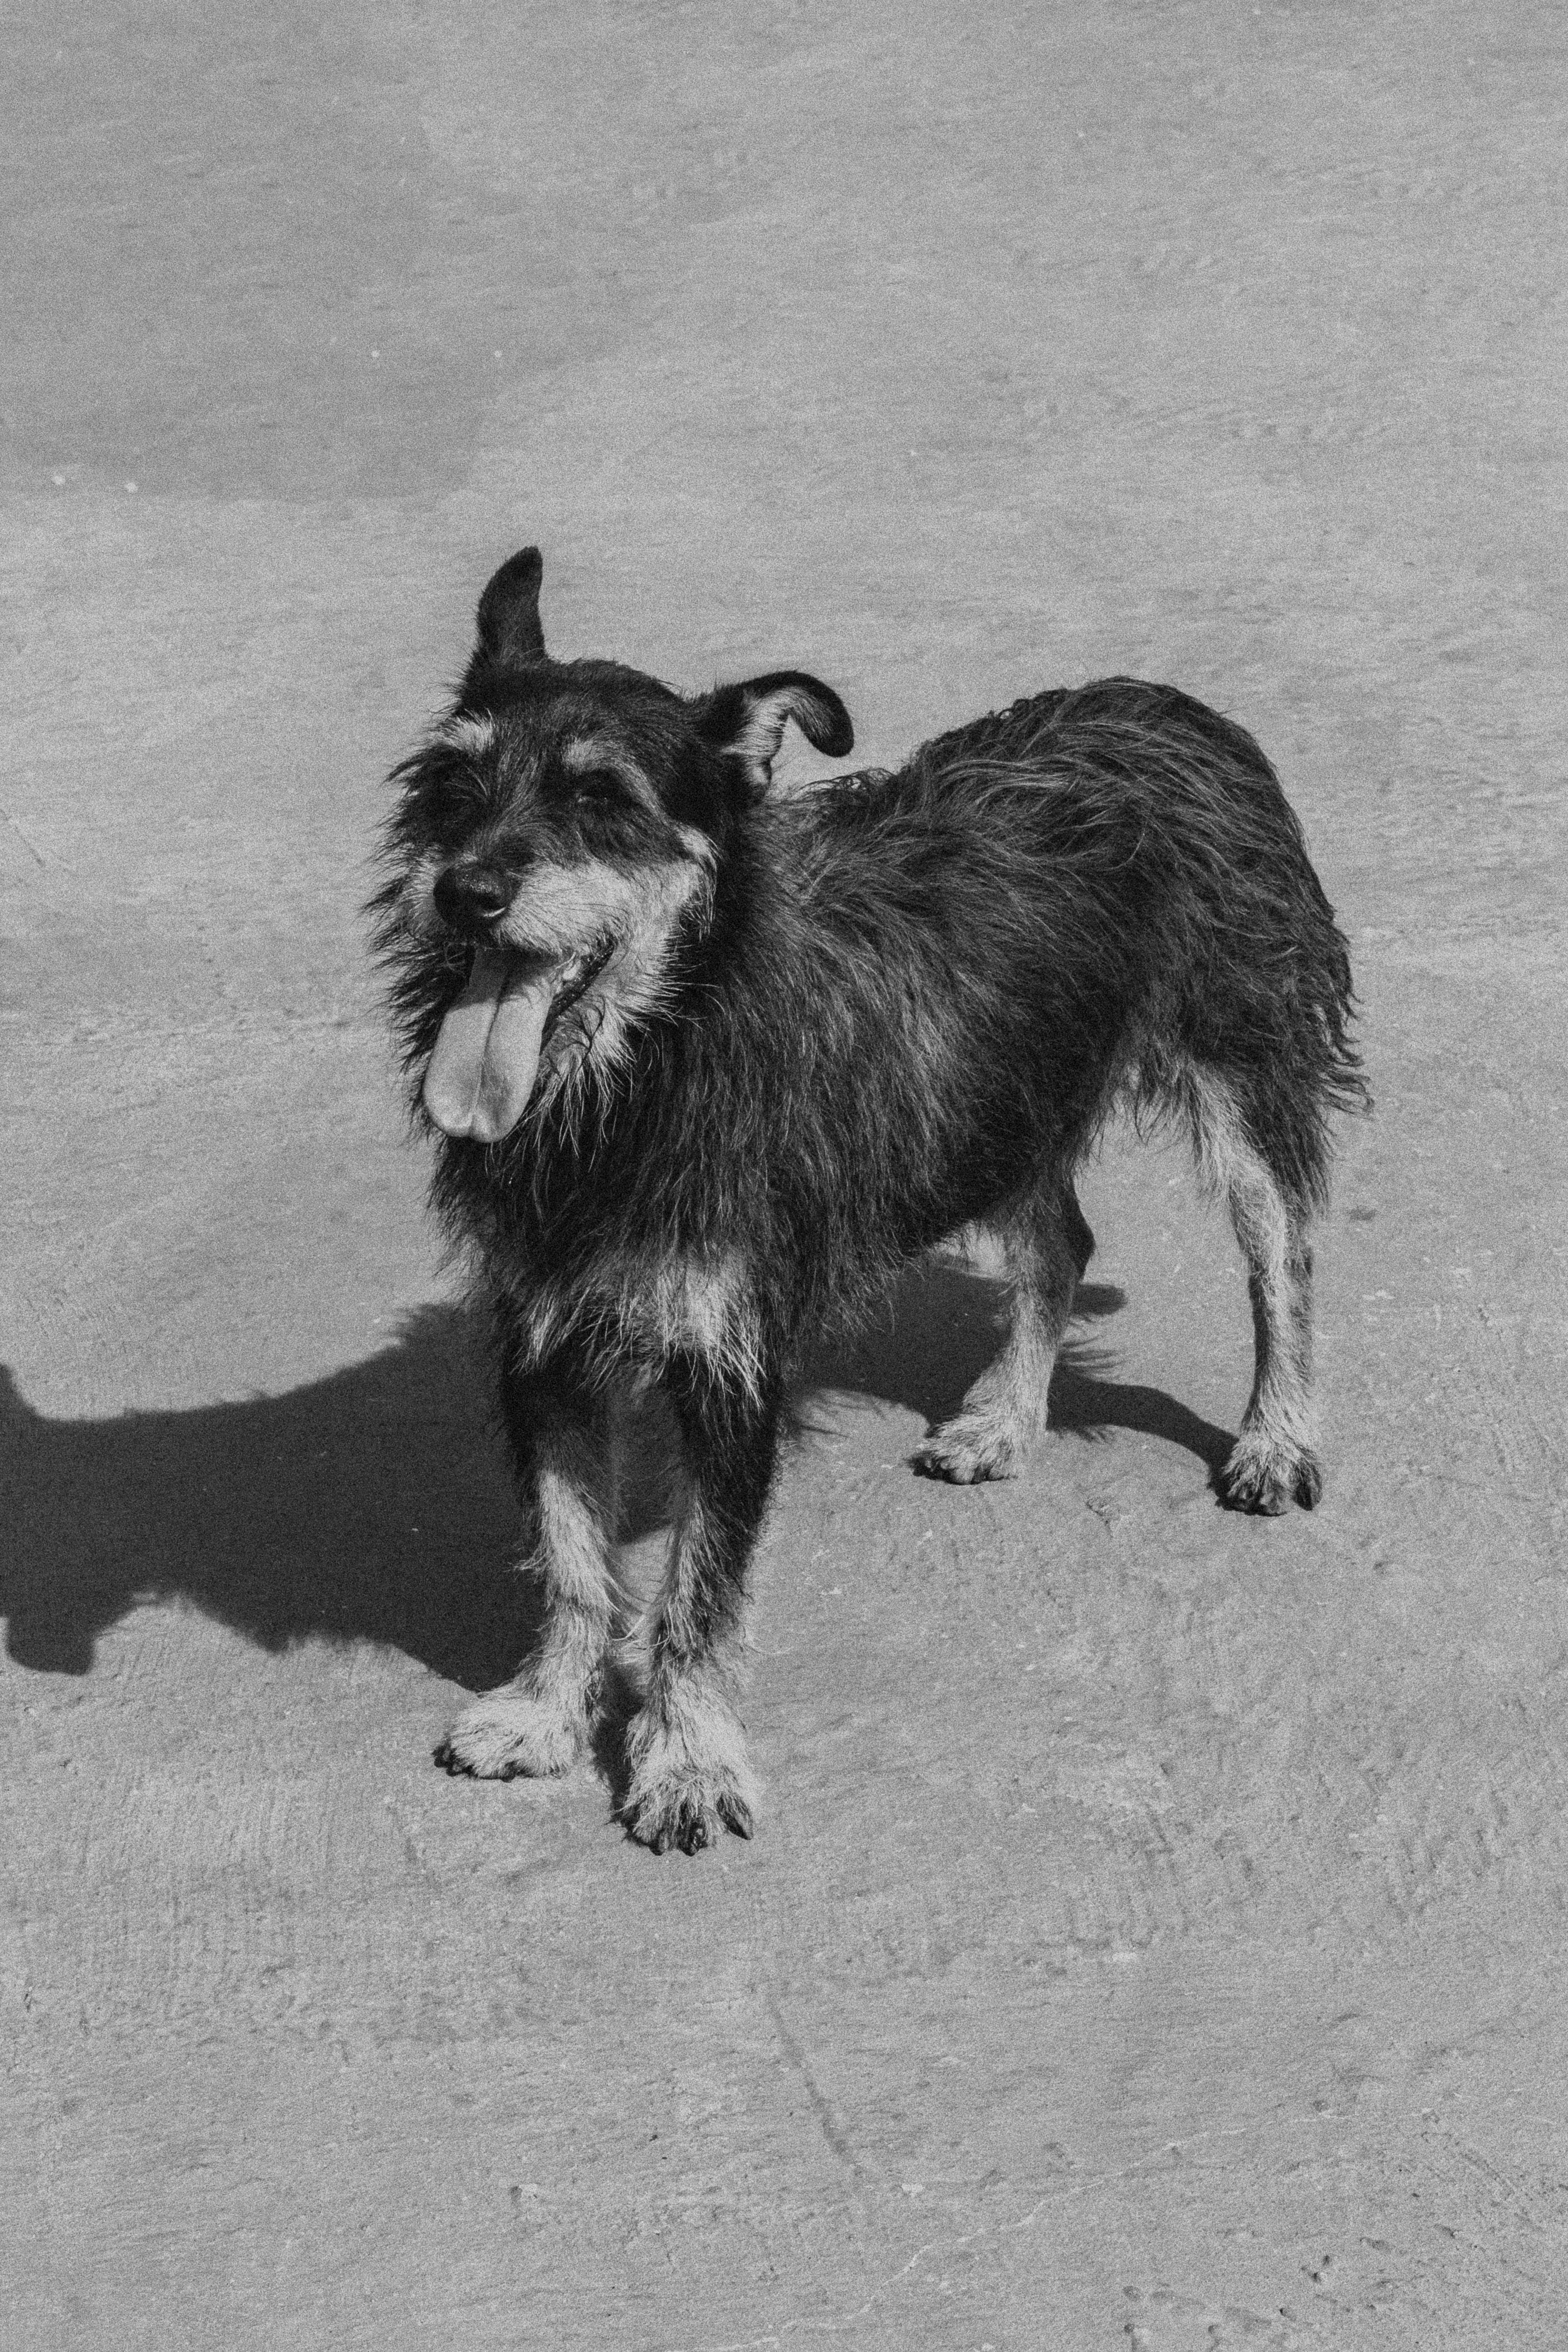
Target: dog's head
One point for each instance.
(551, 840)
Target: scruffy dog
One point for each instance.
(709, 1065)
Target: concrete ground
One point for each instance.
(1153, 1938)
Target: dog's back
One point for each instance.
(918, 990)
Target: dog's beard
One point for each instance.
(486, 1059)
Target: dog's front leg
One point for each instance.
(686, 1748)
(563, 1440)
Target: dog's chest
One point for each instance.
(644, 1309)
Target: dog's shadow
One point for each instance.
(371, 1506)
(374, 1505)
(944, 1324)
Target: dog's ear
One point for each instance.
(747, 721)
(510, 633)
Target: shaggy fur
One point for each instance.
(708, 1065)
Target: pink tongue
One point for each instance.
(482, 1070)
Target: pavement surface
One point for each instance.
(1154, 1936)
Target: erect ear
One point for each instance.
(509, 627)
(748, 721)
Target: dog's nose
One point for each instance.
(472, 898)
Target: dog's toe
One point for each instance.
(692, 1835)
(1247, 1489)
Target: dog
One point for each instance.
(707, 1065)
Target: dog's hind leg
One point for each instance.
(1046, 1243)
(563, 1442)
(685, 1750)
(1274, 1461)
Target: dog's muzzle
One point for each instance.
(471, 896)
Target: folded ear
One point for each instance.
(509, 627)
(748, 721)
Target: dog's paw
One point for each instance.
(691, 1780)
(509, 1733)
(965, 1451)
(1260, 1475)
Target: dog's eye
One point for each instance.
(596, 789)
(459, 806)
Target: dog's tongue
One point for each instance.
(482, 1070)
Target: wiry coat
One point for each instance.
(861, 1017)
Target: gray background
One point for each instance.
(1152, 1936)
